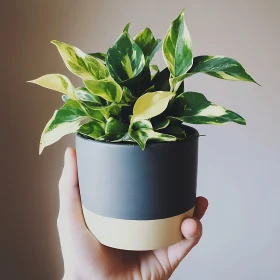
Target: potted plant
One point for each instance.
(135, 197)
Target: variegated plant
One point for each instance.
(125, 98)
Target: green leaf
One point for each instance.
(99, 55)
(105, 111)
(108, 89)
(93, 112)
(177, 131)
(114, 110)
(126, 28)
(144, 124)
(154, 70)
(93, 129)
(177, 47)
(153, 52)
(97, 115)
(193, 107)
(56, 82)
(128, 96)
(218, 66)
(139, 84)
(125, 138)
(146, 41)
(115, 129)
(64, 121)
(125, 59)
(150, 89)
(80, 63)
(142, 131)
(158, 125)
(161, 80)
(150, 105)
(92, 104)
(83, 94)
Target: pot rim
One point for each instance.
(150, 144)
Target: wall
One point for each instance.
(238, 166)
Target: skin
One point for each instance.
(86, 258)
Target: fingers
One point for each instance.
(70, 211)
(192, 231)
(201, 206)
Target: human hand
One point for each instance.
(86, 258)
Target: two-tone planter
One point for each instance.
(134, 199)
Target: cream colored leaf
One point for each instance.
(56, 82)
(50, 137)
(106, 88)
(150, 105)
(64, 121)
(81, 64)
(212, 111)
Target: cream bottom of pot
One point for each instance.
(136, 235)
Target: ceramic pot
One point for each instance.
(134, 199)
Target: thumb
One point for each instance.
(192, 231)
(70, 210)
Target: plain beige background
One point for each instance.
(238, 166)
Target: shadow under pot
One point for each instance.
(134, 199)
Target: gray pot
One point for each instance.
(134, 199)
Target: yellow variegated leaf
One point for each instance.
(125, 59)
(81, 64)
(142, 131)
(108, 89)
(56, 82)
(221, 67)
(177, 47)
(93, 129)
(150, 105)
(64, 121)
(115, 129)
(193, 107)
